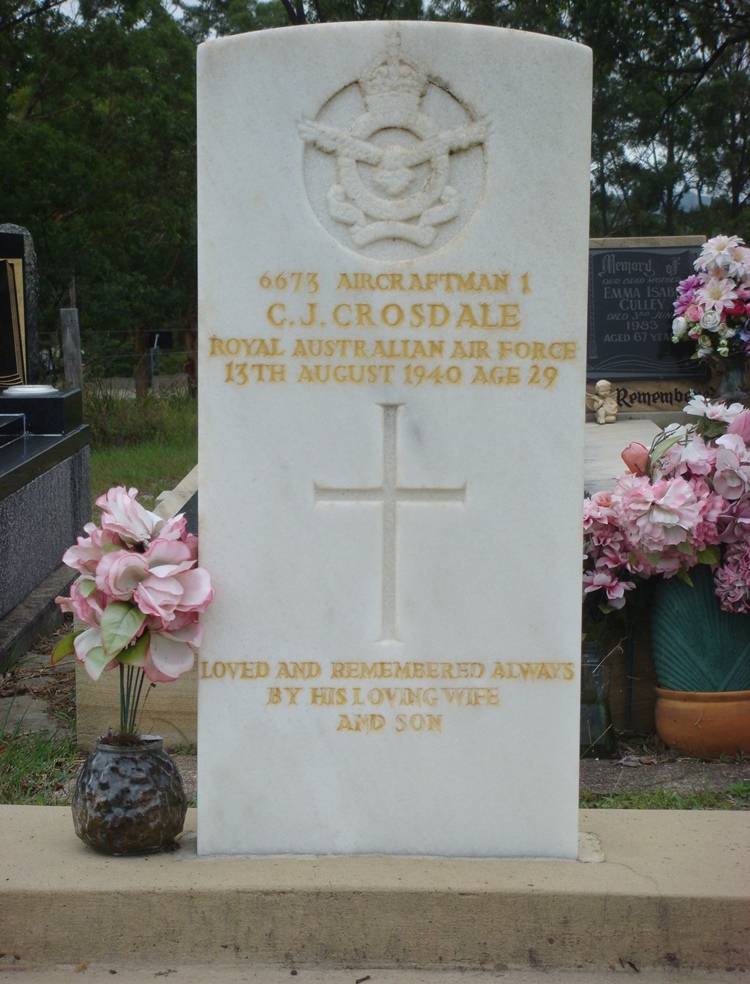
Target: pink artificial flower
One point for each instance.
(657, 515)
(88, 648)
(175, 554)
(741, 425)
(739, 265)
(732, 579)
(597, 512)
(699, 457)
(615, 590)
(712, 509)
(635, 457)
(119, 573)
(694, 313)
(717, 252)
(88, 608)
(168, 656)
(717, 295)
(172, 587)
(88, 551)
(699, 406)
(734, 523)
(126, 517)
(732, 476)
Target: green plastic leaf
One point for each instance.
(87, 587)
(96, 661)
(120, 623)
(65, 647)
(711, 428)
(135, 654)
(682, 575)
(660, 447)
(711, 555)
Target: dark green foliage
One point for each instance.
(97, 122)
(98, 162)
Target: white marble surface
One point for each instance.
(391, 547)
(604, 444)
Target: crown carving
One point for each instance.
(393, 77)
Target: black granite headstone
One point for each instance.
(631, 296)
(12, 334)
(19, 307)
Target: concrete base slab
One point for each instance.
(179, 973)
(34, 617)
(670, 890)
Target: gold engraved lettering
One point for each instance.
(472, 696)
(402, 696)
(449, 282)
(497, 375)
(419, 722)
(276, 695)
(241, 373)
(276, 315)
(298, 671)
(361, 722)
(533, 671)
(471, 350)
(557, 351)
(392, 315)
(251, 348)
(234, 671)
(489, 316)
(542, 377)
(311, 316)
(345, 374)
(328, 696)
(407, 671)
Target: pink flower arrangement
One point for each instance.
(713, 305)
(684, 502)
(141, 592)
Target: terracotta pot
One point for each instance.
(129, 799)
(705, 725)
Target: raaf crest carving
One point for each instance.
(394, 164)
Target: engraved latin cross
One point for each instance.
(390, 493)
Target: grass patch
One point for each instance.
(737, 797)
(36, 767)
(148, 444)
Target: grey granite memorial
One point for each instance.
(44, 461)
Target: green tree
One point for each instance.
(98, 163)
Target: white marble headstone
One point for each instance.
(393, 257)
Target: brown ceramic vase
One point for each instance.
(129, 799)
(704, 725)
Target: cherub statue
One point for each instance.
(604, 403)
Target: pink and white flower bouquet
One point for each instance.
(713, 305)
(141, 592)
(684, 502)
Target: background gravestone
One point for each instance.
(19, 307)
(391, 439)
(632, 289)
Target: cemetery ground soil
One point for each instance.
(44, 698)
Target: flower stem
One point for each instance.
(131, 690)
